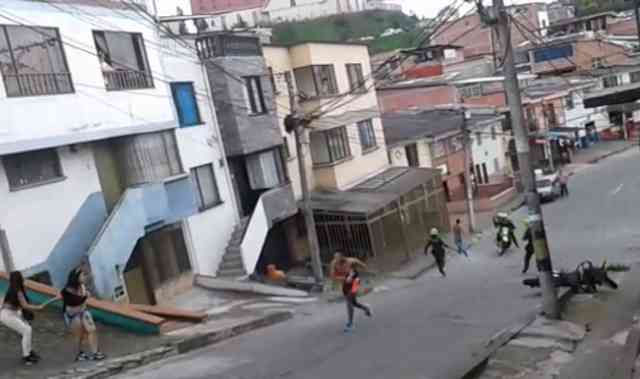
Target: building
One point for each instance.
(246, 109)
(357, 198)
(560, 11)
(111, 160)
(577, 53)
(478, 39)
(434, 138)
(430, 61)
(599, 22)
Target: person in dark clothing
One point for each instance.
(437, 249)
(502, 219)
(528, 248)
(350, 288)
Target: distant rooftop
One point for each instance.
(583, 18)
(405, 126)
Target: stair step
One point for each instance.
(225, 268)
(233, 258)
(232, 273)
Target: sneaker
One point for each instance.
(34, 355)
(82, 356)
(97, 356)
(348, 328)
(368, 311)
(29, 361)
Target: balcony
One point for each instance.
(127, 80)
(19, 85)
(220, 45)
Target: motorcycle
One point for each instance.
(585, 278)
(504, 240)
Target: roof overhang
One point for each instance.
(613, 96)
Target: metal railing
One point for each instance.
(37, 84)
(125, 80)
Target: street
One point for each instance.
(432, 327)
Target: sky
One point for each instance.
(430, 8)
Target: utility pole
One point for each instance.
(636, 10)
(466, 144)
(535, 220)
(7, 258)
(299, 126)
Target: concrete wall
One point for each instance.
(242, 133)
(91, 107)
(279, 60)
(208, 231)
(46, 211)
(398, 154)
(391, 100)
(490, 150)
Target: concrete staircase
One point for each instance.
(232, 265)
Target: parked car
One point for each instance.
(548, 187)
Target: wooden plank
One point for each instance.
(103, 311)
(169, 312)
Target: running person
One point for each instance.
(350, 288)
(437, 249)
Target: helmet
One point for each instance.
(434, 231)
(502, 215)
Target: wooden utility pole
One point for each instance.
(468, 186)
(302, 138)
(535, 220)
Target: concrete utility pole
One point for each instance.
(536, 223)
(636, 10)
(301, 134)
(7, 258)
(466, 144)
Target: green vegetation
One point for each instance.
(350, 28)
(587, 7)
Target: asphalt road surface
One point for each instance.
(431, 328)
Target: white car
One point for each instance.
(548, 187)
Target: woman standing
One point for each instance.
(76, 317)
(14, 314)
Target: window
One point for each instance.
(186, 104)
(316, 81)
(356, 79)
(124, 60)
(597, 62)
(496, 166)
(272, 78)
(330, 146)
(479, 138)
(285, 148)
(33, 168)
(471, 91)
(635, 77)
(568, 102)
(292, 3)
(494, 136)
(367, 135)
(32, 61)
(552, 53)
(437, 149)
(288, 79)
(610, 81)
(265, 169)
(411, 152)
(455, 144)
(204, 180)
(254, 95)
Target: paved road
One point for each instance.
(432, 327)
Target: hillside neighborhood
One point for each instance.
(185, 172)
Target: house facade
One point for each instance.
(125, 178)
(362, 205)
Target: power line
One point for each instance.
(434, 33)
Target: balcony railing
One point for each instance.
(125, 80)
(18, 85)
(218, 45)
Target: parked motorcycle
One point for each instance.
(504, 240)
(585, 278)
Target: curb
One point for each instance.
(504, 336)
(607, 155)
(132, 361)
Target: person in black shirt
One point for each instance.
(528, 248)
(437, 249)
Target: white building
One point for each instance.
(109, 152)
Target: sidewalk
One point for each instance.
(230, 314)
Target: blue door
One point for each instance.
(185, 100)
